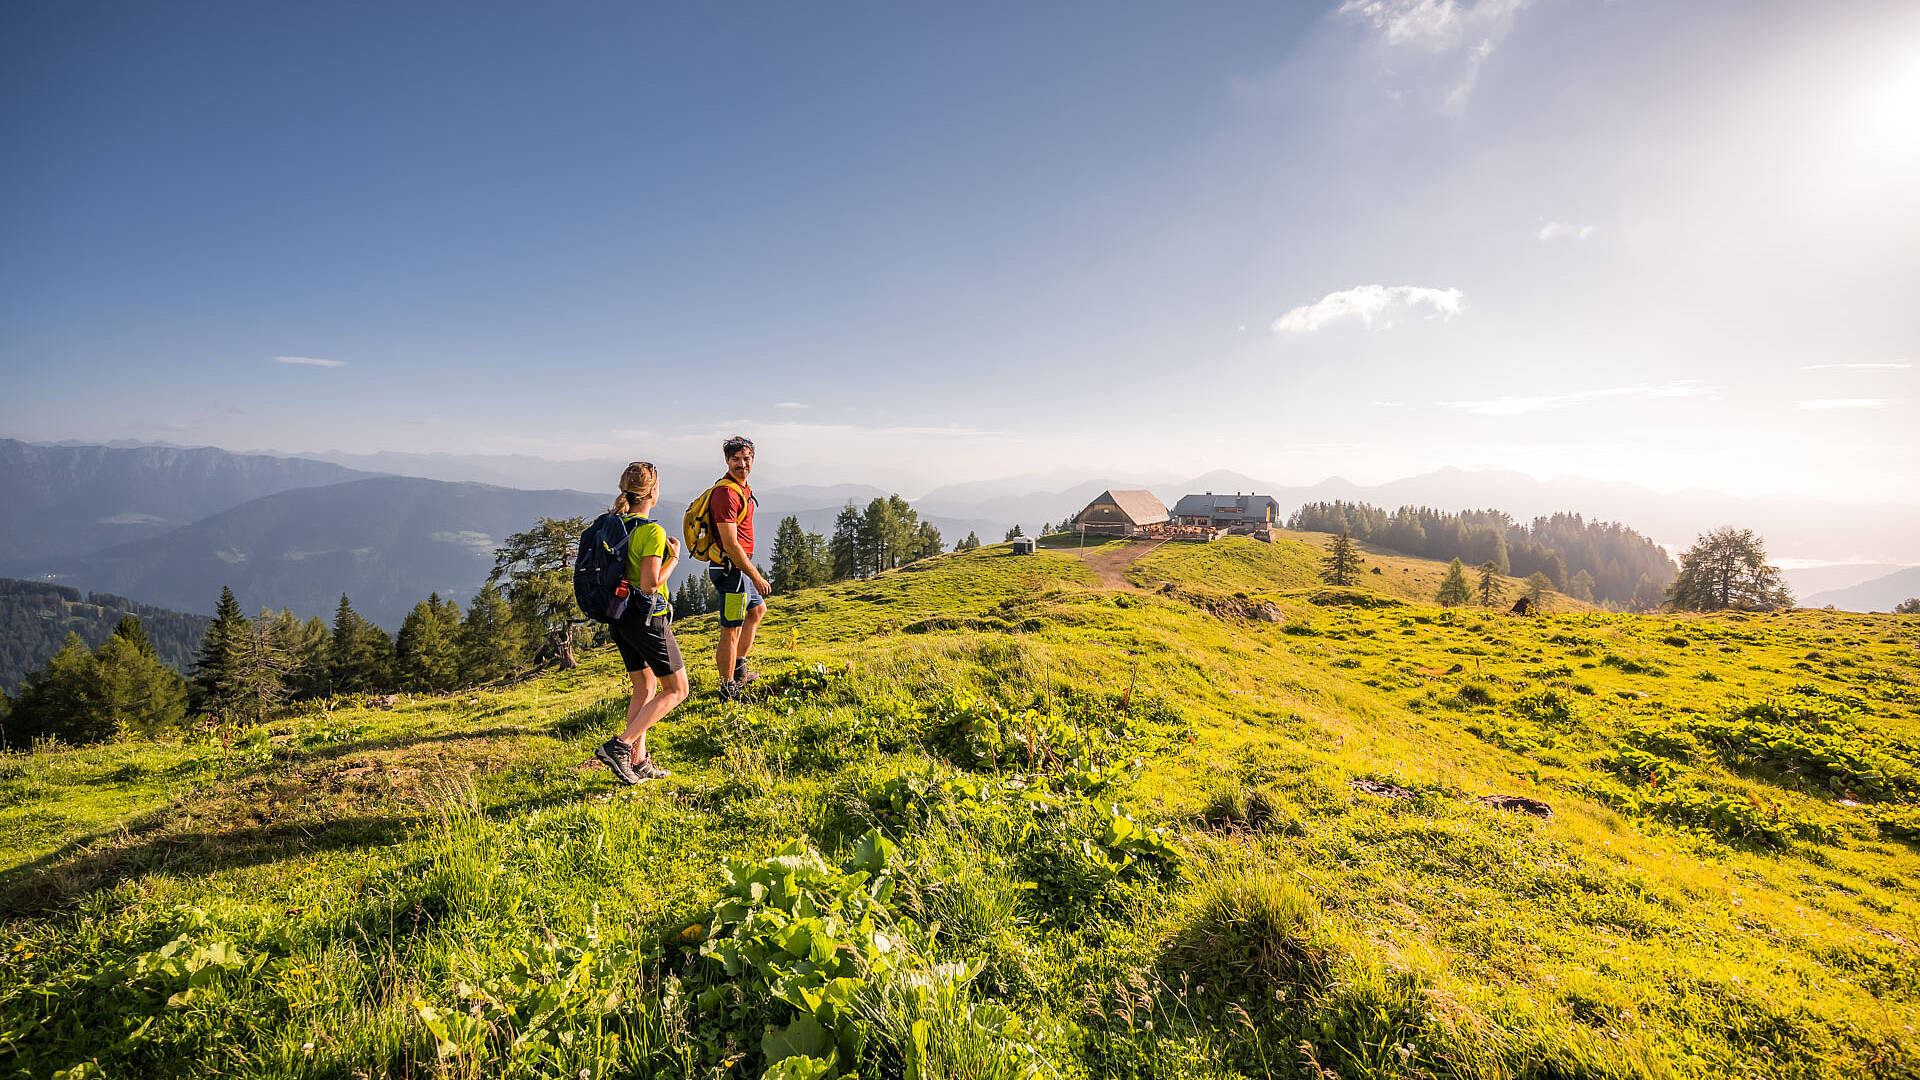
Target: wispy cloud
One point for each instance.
(1516, 404)
(309, 361)
(1560, 230)
(1858, 367)
(1441, 26)
(1845, 403)
(791, 405)
(1365, 303)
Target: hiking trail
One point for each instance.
(1111, 565)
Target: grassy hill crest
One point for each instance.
(989, 818)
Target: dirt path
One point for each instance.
(1110, 566)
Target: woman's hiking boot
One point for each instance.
(729, 690)
(613, 754)
(647, 770)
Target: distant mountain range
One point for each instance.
(171, 525)
(36, 617)
(1880, 594)
(61, 500)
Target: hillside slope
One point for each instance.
(35, 619)
(986, 819)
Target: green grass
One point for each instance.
(1030, 828)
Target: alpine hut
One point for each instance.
(1121, 513)
(1234, 513)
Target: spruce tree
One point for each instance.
(61, 699)
(1489, 583)
(971, 543)
(791, 569)
(361, 657)
(1454, 589)
(1013, 532)
(844, 548)
(1342, 565)
(215, 684)
(426, 651)
(492, 643)
(129, 630)
(818, 564)
(136, 693)
(1581, 587)
(262, 668)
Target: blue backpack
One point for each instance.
(601, 567)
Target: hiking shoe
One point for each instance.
(647, 770)
(729, 690)
(742, 675)
(613, 754)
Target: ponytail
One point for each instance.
(639, 483)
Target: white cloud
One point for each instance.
(1555, 230)
(1515, 404)
(1858, 367)
(791, 405)
(1365, 303)
(309, 361)
(1845, 403)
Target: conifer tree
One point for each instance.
(215, 684)
(1538, 584)
(361, 656)
(844, 548)
(1454, 589)
(130, 630)
(1342, 564)
(426, 651)
(1489, 583)
(971, 543)
(262, 668)
(1013, 532)
(696, 596)
(61, 699)
(926, 543)
(136, 693)
(492, 643)
(797, 557)
(1581, 587)
(313, 659)
(1909, 606)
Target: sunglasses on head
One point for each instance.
(641, 465)
(734, 446)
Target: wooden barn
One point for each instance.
(1121, 513)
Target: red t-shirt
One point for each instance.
(729, 504)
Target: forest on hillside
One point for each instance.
(36, 617)
(1603, 562)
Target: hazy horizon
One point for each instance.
(1672, 246)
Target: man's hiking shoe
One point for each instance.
(742, 675)
(613, 754)
(729, 690)
(647, 770)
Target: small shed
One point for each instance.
(1236, 512)
(1024, 545)
(1121, 513)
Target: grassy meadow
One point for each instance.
(983, 818)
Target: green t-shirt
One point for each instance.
(648, 540)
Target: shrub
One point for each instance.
(1247, 934)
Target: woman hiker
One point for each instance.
(645, 634)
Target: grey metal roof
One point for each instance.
(1227, 507)
(1141, 507)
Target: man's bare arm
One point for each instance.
(730, 543)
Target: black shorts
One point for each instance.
(647, 643)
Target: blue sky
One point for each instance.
(1666, 243)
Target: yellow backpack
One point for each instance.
(703, 539)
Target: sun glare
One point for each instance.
(1890, 112)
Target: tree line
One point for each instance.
(1605, 563)
(886, 535)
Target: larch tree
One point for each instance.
(537, 566)
(1342, 564)
(1454, 590)
(1727, 569)
(1489, 588)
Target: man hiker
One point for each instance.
(735, 578)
